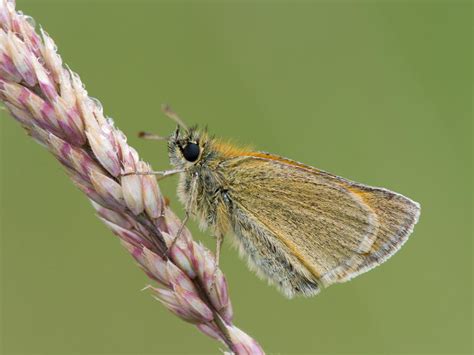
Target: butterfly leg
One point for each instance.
(160, 174)
(180, 230)
(219, 240)
(187, 213)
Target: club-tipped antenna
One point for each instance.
(151, 136)
(168, 111)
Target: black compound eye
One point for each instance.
(191, 152)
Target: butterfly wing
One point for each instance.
(327, 228)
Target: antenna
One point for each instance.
(151, 136)
(168, 111)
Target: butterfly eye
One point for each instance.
(191, 152)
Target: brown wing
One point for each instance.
(336, 228)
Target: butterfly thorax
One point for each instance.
(202, 188)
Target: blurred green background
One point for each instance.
(378, 92)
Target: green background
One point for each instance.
(378, 92)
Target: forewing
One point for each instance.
(336, 228)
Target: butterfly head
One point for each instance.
(187, 148)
